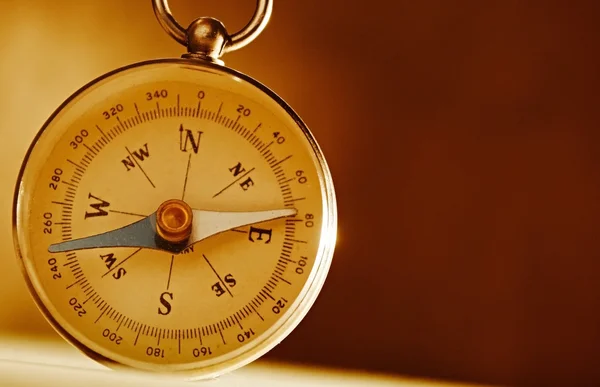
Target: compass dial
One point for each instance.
(175, 217)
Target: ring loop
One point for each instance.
(255, 26)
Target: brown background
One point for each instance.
(463, 138)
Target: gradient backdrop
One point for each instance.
(464, 141)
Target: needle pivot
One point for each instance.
(174, 221)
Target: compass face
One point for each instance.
(244, 190)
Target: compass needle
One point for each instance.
(175, 215)
(143, 233)
(209, 223)
(138, 234)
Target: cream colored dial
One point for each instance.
(234, 257)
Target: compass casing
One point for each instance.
(185, 130)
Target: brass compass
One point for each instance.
(175, 215)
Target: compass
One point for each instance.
(175, 215)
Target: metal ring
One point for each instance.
(257, 24)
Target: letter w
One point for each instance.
(143, 152)
(97, 206)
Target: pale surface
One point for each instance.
(53, 363)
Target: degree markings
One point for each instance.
(106, 140)
(94, 153)
(217, 117)
(283, 279)
(264, 150)
(102, 314)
